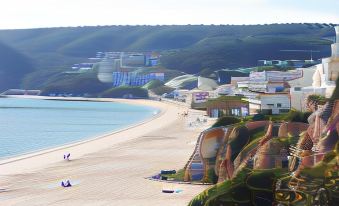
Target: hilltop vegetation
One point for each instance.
(125, 92)
(86, 84)
(190, 48)
(13, 67)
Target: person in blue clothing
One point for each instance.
(67, 184)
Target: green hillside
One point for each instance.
(189, 48)
(13, 67)
(83, 84)
(231, 52)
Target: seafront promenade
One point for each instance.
(108, 170)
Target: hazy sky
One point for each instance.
(52, 13)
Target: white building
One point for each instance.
(302, 87)
(300, 94)
(275, 103)
(306, 80)
(133, 59)
(319, 79)
(236, 80)
(327, 72)
(226, 89)
(275, 76)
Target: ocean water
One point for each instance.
(28, 125)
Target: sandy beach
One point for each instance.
(107, 170)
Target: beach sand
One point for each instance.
(109, 170)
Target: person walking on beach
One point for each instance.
(67, 156)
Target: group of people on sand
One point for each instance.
(66, 183)
(198, 122)
(184, 114)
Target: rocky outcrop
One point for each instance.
(321, 136)
(206, 149)
(292, 129)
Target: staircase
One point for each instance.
(195, 151)
(194, 167)
(194, 159)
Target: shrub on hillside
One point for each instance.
(238, 139)
(329, 156)
(153, 84)
(259, 117)
(227, 120)
(125, 92)
(298, 116)
(82, 84)
(317, 98)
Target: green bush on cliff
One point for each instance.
(227, 120)
(329, 156)
(212, 177)
(247, 188)
(336, 148)
(298, 116)
(238, 140)
(317, 98)
(259, 117)
(211, 193)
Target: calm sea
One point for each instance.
(28, 125)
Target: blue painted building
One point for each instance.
(135, 79)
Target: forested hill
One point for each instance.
(189, 48)
(13, 67)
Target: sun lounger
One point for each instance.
(167, 191)
(167, 172)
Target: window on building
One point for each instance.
(278, 105)
(270, 105)
(284, 110)
(235, 112)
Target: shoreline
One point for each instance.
(10, 159)
(118, 164)
(26, 156)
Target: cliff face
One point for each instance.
(287, 162)
(218, 150)
(315, 178)
(321, 136)
(227, 150)
(282, 163)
